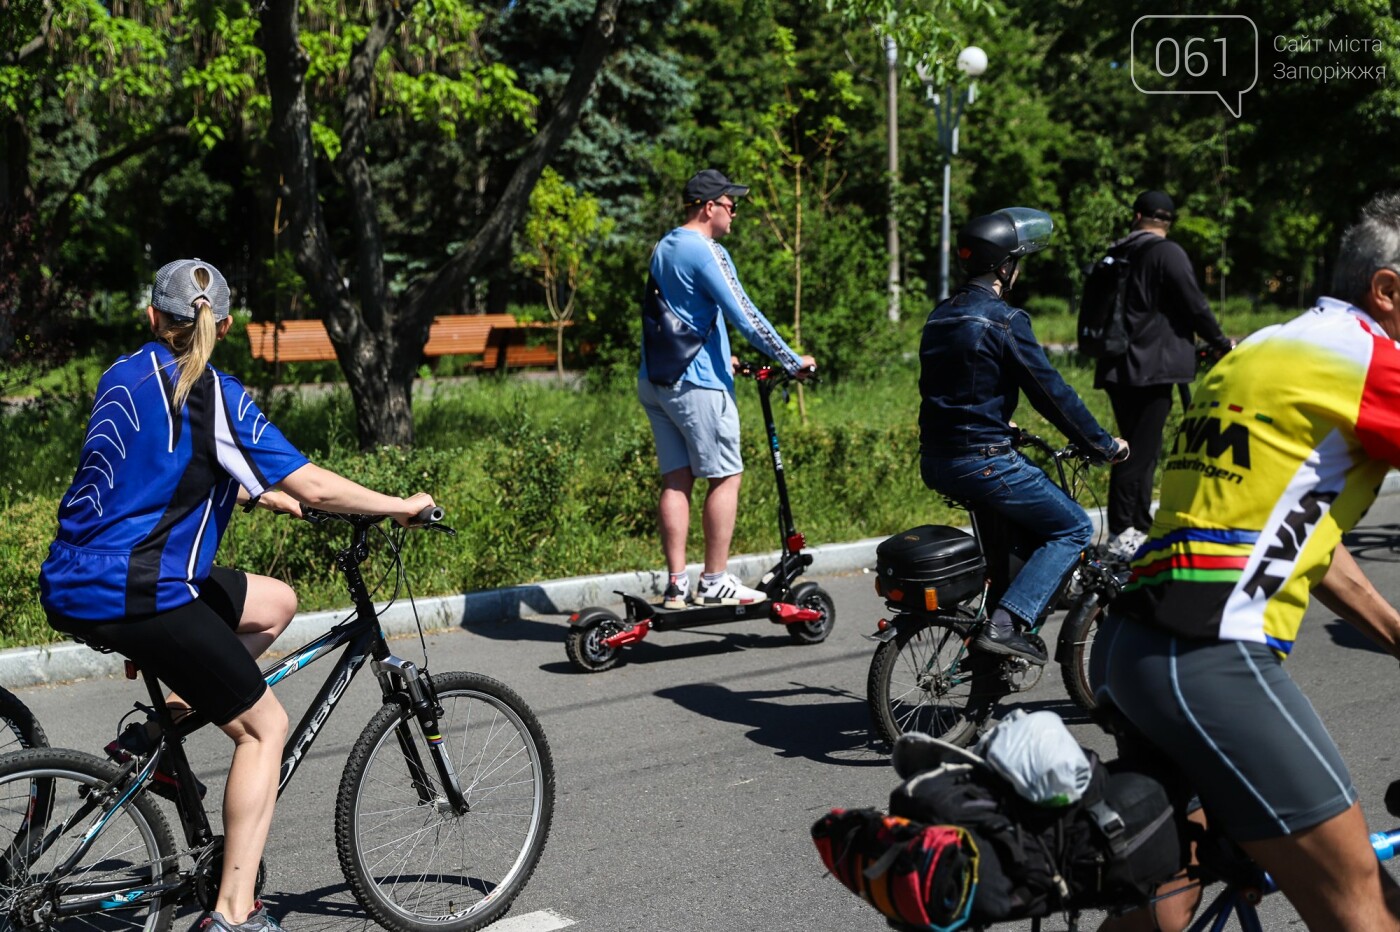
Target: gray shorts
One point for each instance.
(693, 426)
(1235, 724)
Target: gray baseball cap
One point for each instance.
(177, 289)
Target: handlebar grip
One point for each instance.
(430, 515)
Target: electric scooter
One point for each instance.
(597, 636)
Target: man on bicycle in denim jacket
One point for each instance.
(977, 355)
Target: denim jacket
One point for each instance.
(977, 355)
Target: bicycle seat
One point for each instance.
(97, 647)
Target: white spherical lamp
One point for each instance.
(972, 61)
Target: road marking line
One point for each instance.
(545, 920)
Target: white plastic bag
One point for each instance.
(1038, 756)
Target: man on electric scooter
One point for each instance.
(977, 355)
(686, 384)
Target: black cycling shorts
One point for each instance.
(1233, 723)
(193, 649)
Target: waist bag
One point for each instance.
(1109, 848)
(668, 343)
(924, 876)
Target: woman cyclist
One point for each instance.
(172, 444)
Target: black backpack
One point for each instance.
(1103, 329)
(1108, 849)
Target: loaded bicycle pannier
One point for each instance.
(920, 875)
(929, 567)
(1109, 848)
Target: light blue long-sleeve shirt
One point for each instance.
(698, 280)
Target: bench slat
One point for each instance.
(486, 335)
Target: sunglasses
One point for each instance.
(732, 207)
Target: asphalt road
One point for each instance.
(688, 777)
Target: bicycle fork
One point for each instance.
(424, 707)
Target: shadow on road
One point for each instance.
(1377, 542)
(830, 732)
(1344, 635)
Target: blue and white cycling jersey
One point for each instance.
(155, 486)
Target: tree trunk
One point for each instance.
(379, 340)
(559, 349)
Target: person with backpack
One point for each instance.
(977, 355)
(1140, 315)
(686, 384)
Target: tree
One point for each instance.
(563, 230)
(378, 334)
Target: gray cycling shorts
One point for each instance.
(693, 426)
(1233, 722)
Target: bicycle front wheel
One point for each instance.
(19, 728)
(49, 800)
(414, 863)
(1081, 629)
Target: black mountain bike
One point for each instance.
(940, 584)
(442, 812)
(19, 729)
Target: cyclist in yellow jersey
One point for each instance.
(1281, 452)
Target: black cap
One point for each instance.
(1156, 204)
(710, 184)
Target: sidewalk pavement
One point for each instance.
(58, 663)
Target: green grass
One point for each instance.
(540, 481)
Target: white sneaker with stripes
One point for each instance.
(727, 590)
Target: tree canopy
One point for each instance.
(372, 164)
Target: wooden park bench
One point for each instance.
(497, 338)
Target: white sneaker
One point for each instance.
(1126, 544)
(727, 591)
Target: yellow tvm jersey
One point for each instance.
(1281, 452)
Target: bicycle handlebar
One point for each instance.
(430, 517)
(768, 371)
(1024, 438)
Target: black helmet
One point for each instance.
(987, 243)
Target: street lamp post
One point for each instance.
(947, 111)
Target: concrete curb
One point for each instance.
(57, 663)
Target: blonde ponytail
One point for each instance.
(192, 341)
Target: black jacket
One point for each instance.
(977, 355)
(1165, 313)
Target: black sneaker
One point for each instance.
(1009, 643)
(674, 598)
(136, 741)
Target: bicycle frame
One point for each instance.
(363, 638)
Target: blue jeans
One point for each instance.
(1017, 489)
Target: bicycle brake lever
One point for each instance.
(450, 532)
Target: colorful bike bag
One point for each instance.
(924, 876)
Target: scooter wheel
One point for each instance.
(585, 646)
(810, 595)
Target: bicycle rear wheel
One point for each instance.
(49, 800)
(19, 728)
(924, 679)
(416, 865)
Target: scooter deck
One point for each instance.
(699, 615)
